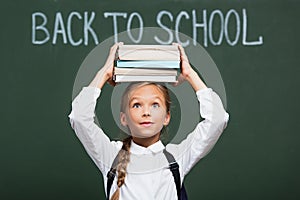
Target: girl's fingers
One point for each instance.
(112, 54)
(110, 62)
(111, 82)
(180, 80)
(183, 56)
(180, 48)
(113, 50)
(185, 64)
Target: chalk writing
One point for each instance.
(217, 27)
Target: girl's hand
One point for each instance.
(185, 66)
(108, 67)
(105, 74)
(187, 72)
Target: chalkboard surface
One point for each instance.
(254, 44)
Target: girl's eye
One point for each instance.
(136, 105)
(155, 105)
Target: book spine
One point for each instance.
(148, 64)
(144, 71)
(124, 78)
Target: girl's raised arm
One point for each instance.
(96, 143)
(202, 139)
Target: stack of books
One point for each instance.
(155, 63)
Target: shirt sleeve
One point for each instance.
(96, 143)
(202, 139)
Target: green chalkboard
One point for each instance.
(254, 44)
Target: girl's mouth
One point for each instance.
(146, 124)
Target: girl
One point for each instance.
(142, 168)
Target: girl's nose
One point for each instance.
(146, 112)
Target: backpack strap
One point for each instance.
(183, 193)
(174, 167)
(111, 175)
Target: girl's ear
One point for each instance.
(167, 118)
(123, 119)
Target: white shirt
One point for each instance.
(148, 176)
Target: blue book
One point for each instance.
(148, 64)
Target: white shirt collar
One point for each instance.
(154, 148)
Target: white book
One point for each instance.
(124, 78)
(148, 52)
(144, 71)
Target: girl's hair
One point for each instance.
(124, 155)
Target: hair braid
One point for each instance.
(124, 158)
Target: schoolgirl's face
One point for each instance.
(146, 112)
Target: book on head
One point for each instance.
(155, 63)
(149, 52)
